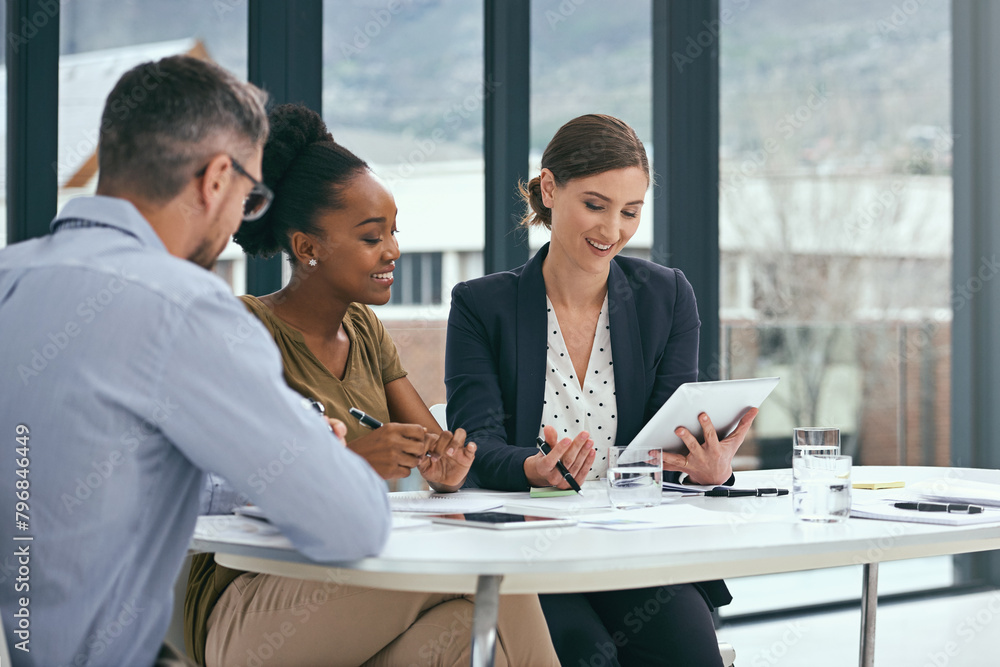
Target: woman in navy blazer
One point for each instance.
(594, 177)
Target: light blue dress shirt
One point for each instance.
(135, 371)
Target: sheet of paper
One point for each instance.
(448, 503)
(687, 488)
(240, 530)
(958, 491)
(674, 515)
(883, 510)
(593, 497)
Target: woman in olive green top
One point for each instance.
(337, 223)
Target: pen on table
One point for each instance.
(729, 492)
(957, 508)
(545, 449)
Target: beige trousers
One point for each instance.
(263, 620)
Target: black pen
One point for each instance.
(729, 492)
(372, 423)
(545, 449)
(365, 419)
(956, 508)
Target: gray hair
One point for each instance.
(163, 118)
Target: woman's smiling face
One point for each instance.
(593, 217)
(359, 242)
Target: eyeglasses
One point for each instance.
(257, 202)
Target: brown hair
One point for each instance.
(587, 145)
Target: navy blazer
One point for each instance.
(495, 358)
(495, 362)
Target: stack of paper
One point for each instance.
(885, 510)
(958, 491)
(443, 503)
(239, 530)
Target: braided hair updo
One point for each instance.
(307, 170)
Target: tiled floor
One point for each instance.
(960, 631)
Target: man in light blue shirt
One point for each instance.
(128, 370)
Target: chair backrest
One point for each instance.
(4, 653)
(440, 413)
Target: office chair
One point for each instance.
(440, 412)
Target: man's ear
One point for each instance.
(216, 177)
(547, 182)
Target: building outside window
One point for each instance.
(835, 209)
(95, 52)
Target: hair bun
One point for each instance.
(293, 129)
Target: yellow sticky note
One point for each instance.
(874, 486)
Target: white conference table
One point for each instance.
(759, 536)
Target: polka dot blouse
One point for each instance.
(575, 404)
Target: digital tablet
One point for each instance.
(724, 401)
(499, 520)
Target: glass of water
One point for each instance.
(635, 479)
(815, 441)
(821, 488)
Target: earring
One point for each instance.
(313, 262)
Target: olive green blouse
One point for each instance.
(372, 363)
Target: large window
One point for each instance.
(95, 52)
(403, 88)
(3, 134)
(835, 236)
(593, 57)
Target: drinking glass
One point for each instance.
(815, 441)
(821, 488)
(635, 479)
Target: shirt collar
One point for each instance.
(110, 212)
